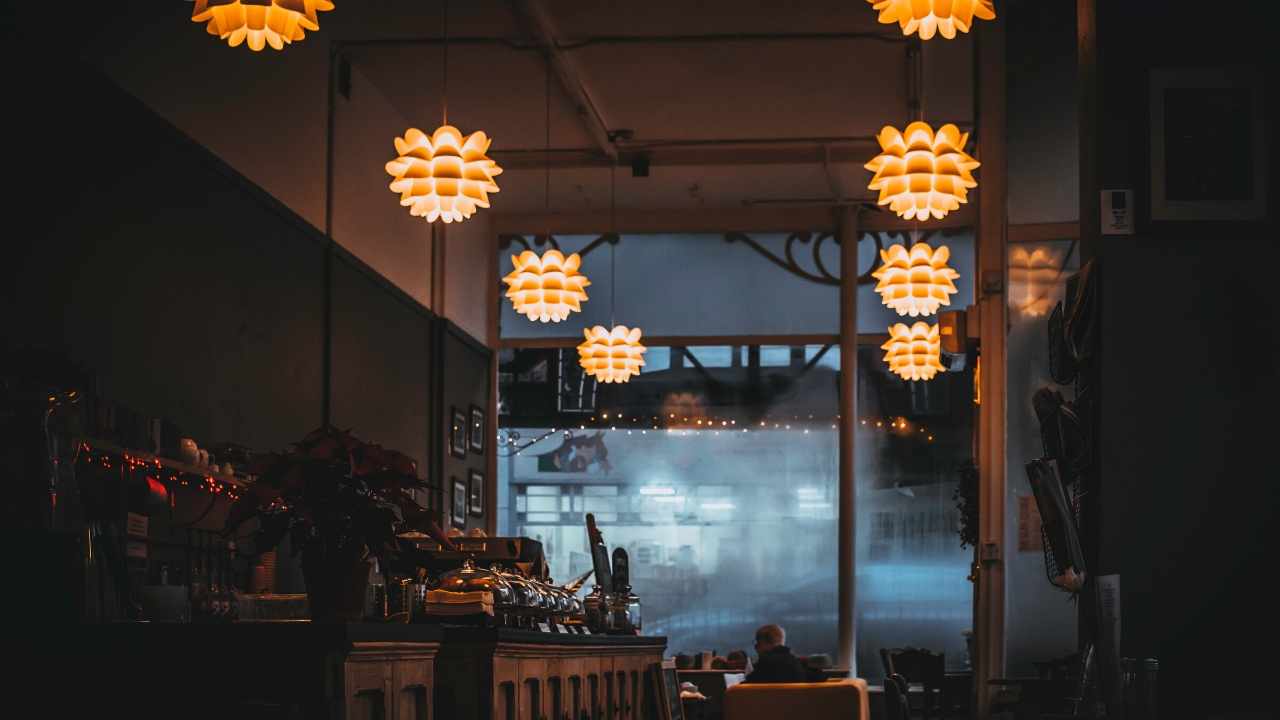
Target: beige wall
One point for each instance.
(367, 217)
(468, 260)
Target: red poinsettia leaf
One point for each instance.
(402, 463)
(255, 496)
(368, 459)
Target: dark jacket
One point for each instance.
(780, 666)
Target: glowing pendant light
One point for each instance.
(611, 356)
(443, 176)
(921, 174)
(913, 353)
(260, 23)
(930, 16)
(916, 282)
(547, 288)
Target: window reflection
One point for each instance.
(719, 480)
(912, 586)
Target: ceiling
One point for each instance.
(732, 102)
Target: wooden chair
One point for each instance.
(917, 665)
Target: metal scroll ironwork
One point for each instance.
(541, 243)
(794, 247)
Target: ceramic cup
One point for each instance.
(188, 452)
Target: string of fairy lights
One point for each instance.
(716, 427)
(165, 472)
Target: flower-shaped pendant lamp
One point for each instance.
(259, 23)
(921, 174)
(934, 16)
(546, 288)
(915, 282)
(443, 176)
(611, 356)
(913, 353)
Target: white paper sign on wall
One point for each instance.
(1117, 212)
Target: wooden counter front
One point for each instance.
(505, 674)
(368, 671)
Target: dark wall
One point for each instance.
(464, 385)
(189, 293)
(381, 362)
(1188, 494)
(192, 295)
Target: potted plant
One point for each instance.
(341, 501)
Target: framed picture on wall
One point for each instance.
(457, 433)
(459, 513)
(475, 493)
(1208, 140)
(475, 437)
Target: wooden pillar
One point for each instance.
(847, 514)
(989, 613)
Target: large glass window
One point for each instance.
(911, 442)
(719, 478)
(693, 284)
(717, 467)
(912, 573)
(1040, 624)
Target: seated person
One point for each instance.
(776, 663)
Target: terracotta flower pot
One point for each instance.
(336, 582)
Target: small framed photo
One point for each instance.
(458, 433)
(1208, 140)
(475, 493)
(475, 436)
(459, 513)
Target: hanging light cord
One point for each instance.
(444, 67)
(613, 246)
(918, 72)
(546, 189)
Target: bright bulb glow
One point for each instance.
(913, 352)
(547, 288)
(934, 16)
(611, 356)
(259, 23)
(657, 490)
(920, 174)
(443, 176)
(718, 506)
(916, 282)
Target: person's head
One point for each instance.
(769, 637)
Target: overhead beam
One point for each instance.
(777, 217)
(800, 151)
(537, 22)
